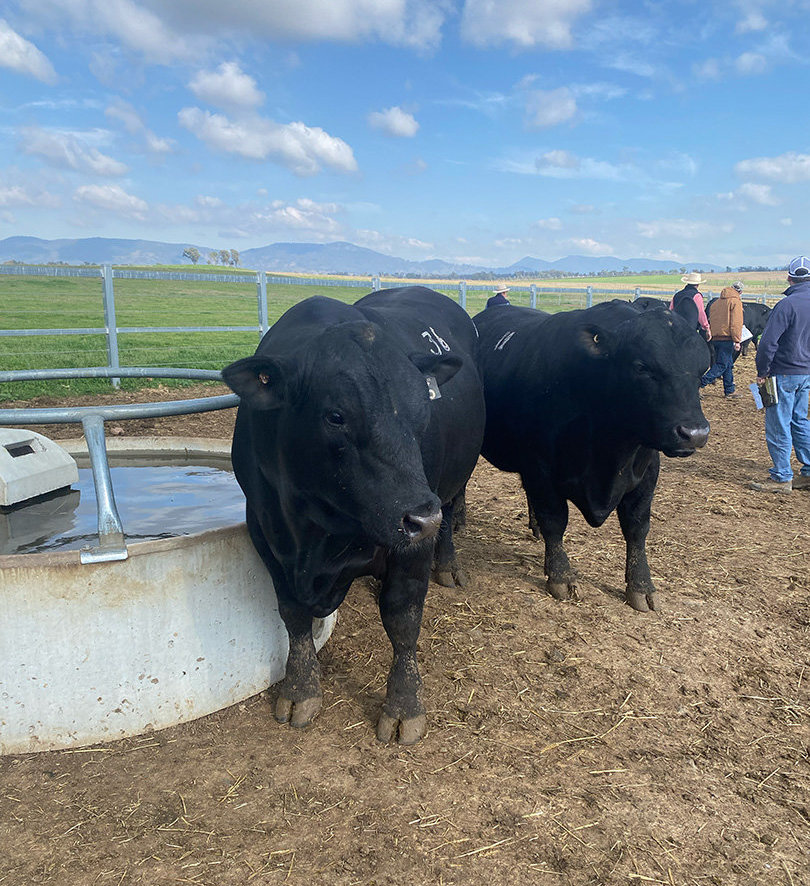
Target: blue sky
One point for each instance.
(474, 130)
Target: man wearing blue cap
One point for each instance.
(784, 353)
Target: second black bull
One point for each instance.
(580, 404)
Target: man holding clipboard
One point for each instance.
(783, 356)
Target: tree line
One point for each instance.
(228, 257)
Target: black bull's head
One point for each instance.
(651, 364)
(343, 422)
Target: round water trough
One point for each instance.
(182, 627)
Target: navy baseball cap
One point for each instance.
(799, 267)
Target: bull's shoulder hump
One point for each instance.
(306, 320)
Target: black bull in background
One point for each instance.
(580, 404)
(755, 317)
(357, 428)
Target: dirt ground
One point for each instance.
(569, 743)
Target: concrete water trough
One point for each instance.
(163, 621)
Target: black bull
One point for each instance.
(755, 317)
(358, 426)
(580, 404)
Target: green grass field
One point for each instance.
(77, 302)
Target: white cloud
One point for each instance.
(112, 198)
(394, 121)
(709, 69)
(789, 168)
(415, 23)
(304, 215)
(19, 195)
(551, 107)
(227, 87)
(22, 56)
(786, 222)
(682, 229)
(69, 151)
(126, 114)
(523, 23)
(751, 63)
(758, 193)
(565, 165)
(135, 26)
(754, 21)
(587, 246)
(302, 149)
(548, 224)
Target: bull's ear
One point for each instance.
(595, 341)
(441, 366)
(259, 381)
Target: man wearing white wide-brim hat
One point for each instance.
(688, 302)
(499, 298)
(783, 354)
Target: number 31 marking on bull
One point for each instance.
(436, 341)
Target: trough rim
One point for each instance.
(145, 446)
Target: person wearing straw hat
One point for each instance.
(688, 302)
(499, 298)
(784, 354)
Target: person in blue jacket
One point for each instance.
(784, 353)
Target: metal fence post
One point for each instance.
(261, 295)
(589, 297)
(532, 296)
(375, 284)
(110, 324)
(636, 294)
(462, 294)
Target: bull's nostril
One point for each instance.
(416, 526)
(695, 436)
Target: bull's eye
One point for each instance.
(641, 368)
(335, 418)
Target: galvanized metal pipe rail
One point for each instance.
(112, 544)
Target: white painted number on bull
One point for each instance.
(502, 341)
(436, 341)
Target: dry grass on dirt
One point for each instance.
(569, 743)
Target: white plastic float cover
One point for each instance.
(32, 465)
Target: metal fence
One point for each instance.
(157, 318)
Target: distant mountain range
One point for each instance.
(322, 258)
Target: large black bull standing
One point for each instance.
(357, 428)
(580, 404)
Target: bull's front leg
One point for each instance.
(634, 518)
(299, 693)
(548, 516)
(402, 600)
(446, 570)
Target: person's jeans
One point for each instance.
(723, 365)
(787, 426)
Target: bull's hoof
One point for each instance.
(298, 714)
(562, 590)
(642, 602)
(452, 577)
(408, 730)
(444, 577)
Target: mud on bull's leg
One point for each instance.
(634, 518)
(548, 516)
(401, 603)
(299, 694)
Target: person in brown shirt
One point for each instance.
(726, 323)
